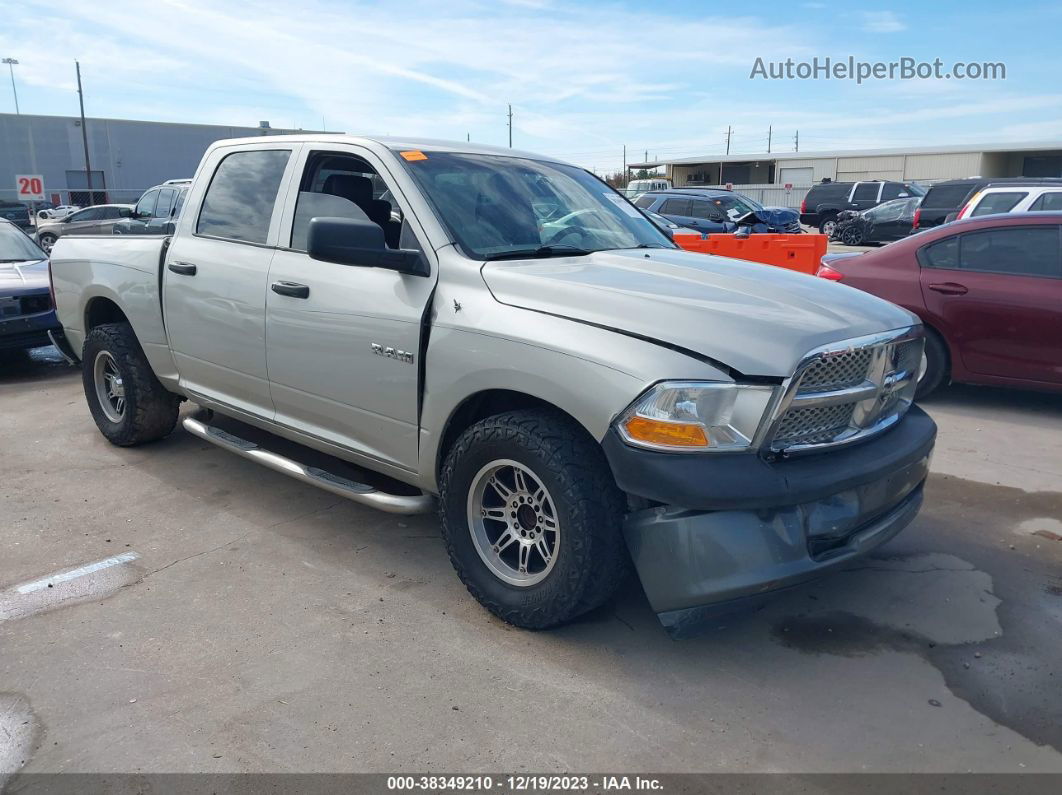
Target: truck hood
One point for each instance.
(23, 276)
(756, 319)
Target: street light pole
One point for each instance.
(11, 64)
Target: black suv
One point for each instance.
(825, 200)
(943, 200)
(15, 212)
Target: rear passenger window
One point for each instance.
(942, 254)
(866, 191)
(676, 207)
(1025, 251)
(1048, 201)
(165, 203)
(239, 202)
(997, 203)
(645, 202)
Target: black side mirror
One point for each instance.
(349, 241)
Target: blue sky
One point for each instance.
(584, 78)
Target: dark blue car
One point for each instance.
(711, 210)
(26, 314)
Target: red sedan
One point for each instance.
(988, 289)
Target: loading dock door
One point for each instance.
(796, 176)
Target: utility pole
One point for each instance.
(84, 133)
(728, 131)
(796, 141)
(625, 165)
(768, 140)
(11, 64)
(468, 137)
(510, 126)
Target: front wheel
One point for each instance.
(125, 398)
(531, 518)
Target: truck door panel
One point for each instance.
(214, 282)
(342, 360)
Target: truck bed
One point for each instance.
(94, 275)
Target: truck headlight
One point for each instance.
(695, 416)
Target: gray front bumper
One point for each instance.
(698, 565)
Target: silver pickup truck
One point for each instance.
(505, 336)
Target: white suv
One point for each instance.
(1012, 199)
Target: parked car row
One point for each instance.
(988, 290)
(713, 210)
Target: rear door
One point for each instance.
(678, 210)
(214, 284)
(328, 374)
(159, 223)
(83, 222)
(997, 294)
(865, 195)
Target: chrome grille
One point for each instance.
(848, 391)
(838, 371)
(813, 425)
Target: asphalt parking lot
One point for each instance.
(253, 623)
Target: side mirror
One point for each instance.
(349, 241)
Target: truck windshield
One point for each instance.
(496, 206)
(16, 247)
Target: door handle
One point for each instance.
(949, 288)
(291, 289)
(183, 268)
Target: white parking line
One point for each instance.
(73, 574)
(69, 586)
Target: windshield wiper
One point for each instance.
(541, 252)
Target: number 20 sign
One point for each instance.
(30, 187)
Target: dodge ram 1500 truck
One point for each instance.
(506, 336)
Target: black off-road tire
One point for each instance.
(150, 409)
(592, 559)
(938, 365)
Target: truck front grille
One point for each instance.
(848, 391)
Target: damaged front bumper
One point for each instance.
(730, 529)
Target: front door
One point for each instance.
(998, 294)
(343, 342)
(214, 283)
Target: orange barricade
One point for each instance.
(796, 252)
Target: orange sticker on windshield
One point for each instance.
(416, 154)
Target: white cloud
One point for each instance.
(882, 22)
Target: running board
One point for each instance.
(357, 492)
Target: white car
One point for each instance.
(55, 213)
(1012, 199)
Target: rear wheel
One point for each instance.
(125, 398)
(531, 518)
(936, 365)
(47, 241)
(827, 225)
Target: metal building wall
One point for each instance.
(133, 155)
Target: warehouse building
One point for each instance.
(765, 175)
(126, 156)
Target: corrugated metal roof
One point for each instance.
(1021, 146)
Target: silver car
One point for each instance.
(98, 220)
